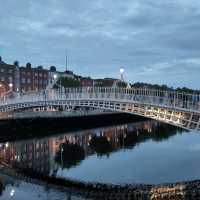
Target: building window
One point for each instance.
(2, 70)
(40, 74)
(10, 71)
(28, 80)
(45, 82)
(10, 79)
(23, 80)
(36, 74)
(2, 78)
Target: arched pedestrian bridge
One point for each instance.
(179, 109)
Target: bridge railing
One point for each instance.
(146, 96)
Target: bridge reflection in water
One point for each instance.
(52, 154)
(140, 152)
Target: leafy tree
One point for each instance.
(67, 82)
(16, 63)
(185, 90)
(100, 145)
(69, 155)
(122, 84)
(28, 65)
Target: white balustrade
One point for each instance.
(169, 99)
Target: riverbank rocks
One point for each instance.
(100, 191)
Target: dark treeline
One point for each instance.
(71, 82)
(164, 87)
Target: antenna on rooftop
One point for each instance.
(66, 59)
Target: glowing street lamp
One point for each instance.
(121, 73)
(55, 76)
(121, 70)
(12, 192)
(10, 85)
(6, 144)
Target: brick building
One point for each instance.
(33, 79)
(22, 79)
(7, 77)
(106, 82)
(86, 82)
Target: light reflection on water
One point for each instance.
(142, 152)
(20, 190)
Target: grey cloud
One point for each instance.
(154, 40)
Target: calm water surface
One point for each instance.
(142, 152)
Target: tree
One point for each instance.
(121, 84)
(28, 65)
(100, 145)
(67, 82)
(69, 155)
(16, 63)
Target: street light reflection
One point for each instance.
(12, 192)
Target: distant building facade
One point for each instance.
(86, 82)
(7, 77)
(106, 82)
(27, 78)
(32, 79)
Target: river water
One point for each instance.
(140, 152)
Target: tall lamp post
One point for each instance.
(10, 87)
(122, 74)
(55, 76)
(1, 86)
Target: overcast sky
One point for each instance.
(157, 41)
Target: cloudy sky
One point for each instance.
(157, 41)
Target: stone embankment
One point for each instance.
(98, 191)
(177, 191)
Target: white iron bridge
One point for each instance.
(179, 109)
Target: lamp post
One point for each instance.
(122, 74)
(55, 77)
(10, 86)
(1, 90)
(61, 157)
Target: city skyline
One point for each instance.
(156, 42)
